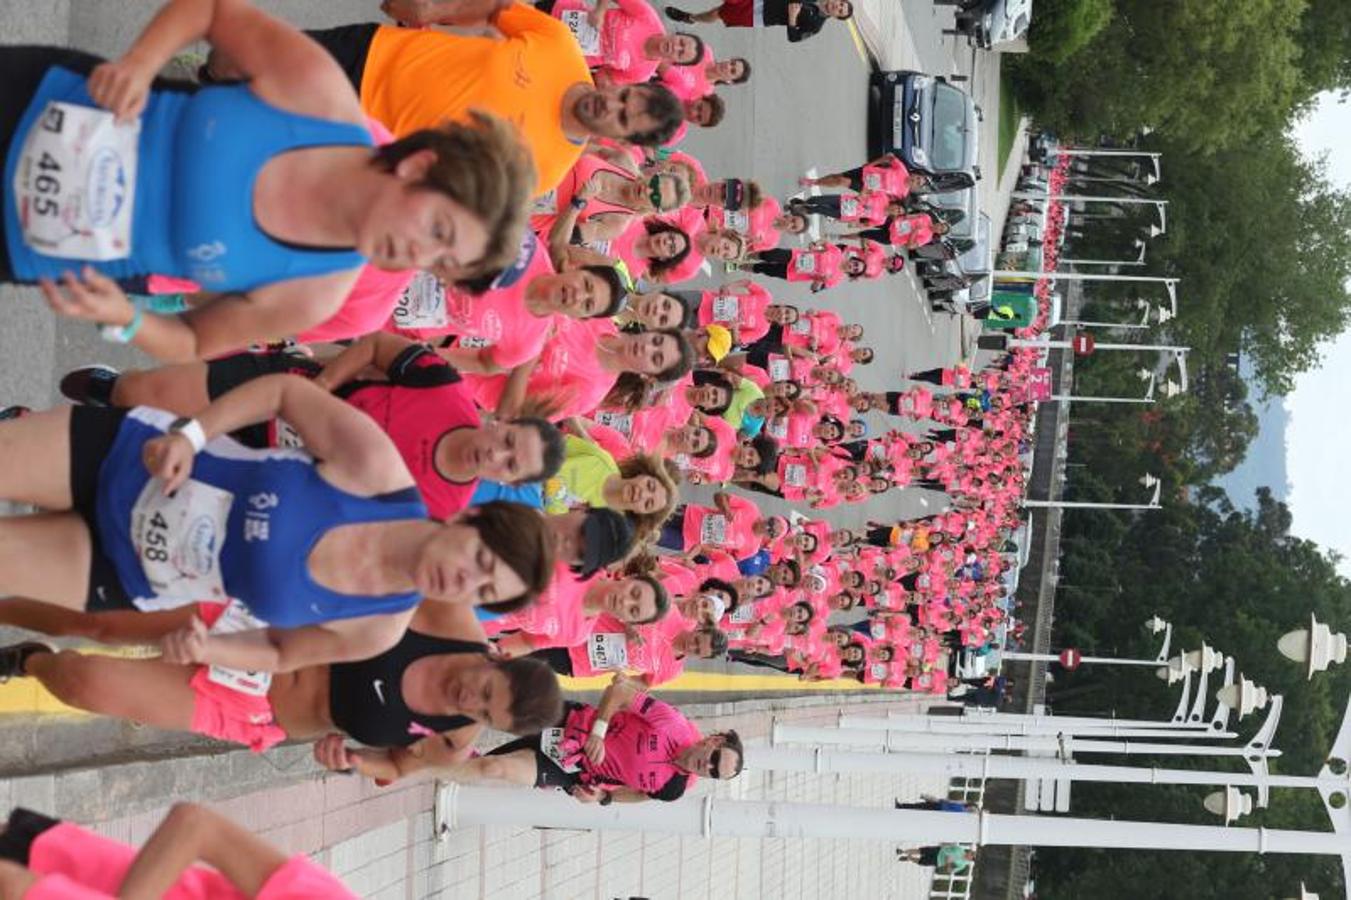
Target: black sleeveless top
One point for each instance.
(365, 699)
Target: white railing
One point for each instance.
(957, 885)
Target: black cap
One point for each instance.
(607, 537)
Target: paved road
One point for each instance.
(804, 108)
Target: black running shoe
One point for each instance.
(13, 658)
(90, 385)
(13, 412)
(676, 14)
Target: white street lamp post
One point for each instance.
(896, 742)
(1149, 481)
(462, 806)
(1021, 724)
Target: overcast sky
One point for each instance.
(1319, 435)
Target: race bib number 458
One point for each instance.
(178, 538)
(75, 183)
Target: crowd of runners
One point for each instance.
(430, 387)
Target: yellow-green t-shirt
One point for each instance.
(582, 477)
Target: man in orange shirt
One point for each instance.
(533, 75)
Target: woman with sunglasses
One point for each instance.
(630, 748)
(601, 197)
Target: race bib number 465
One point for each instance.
(75, 183)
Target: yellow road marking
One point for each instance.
(859, 45)
(716, 681)
(27, 695)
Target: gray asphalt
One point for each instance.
(804, 109)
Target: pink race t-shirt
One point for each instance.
(641, 746)
(756, 225)
(497, 318)
(707, 526)
(568, 370)
(689, 82)
(654, 656)
(740, 307)
(423, 399)
(617, 48)
(912, 231)
(556, 619)
(890, 176)
(99, 864)
(867, 208)
(368, 306)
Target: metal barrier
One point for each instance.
(957, 885)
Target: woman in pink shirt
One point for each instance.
(624, 41)
(870, 208)
(886, 173)
(759, 223)
(694, 82)
(820, 263)
(600, 198)
(580, 365)
(741, 306)
(565, 613)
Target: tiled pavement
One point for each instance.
(381, 841)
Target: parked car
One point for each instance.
(989, 23)
(931, 125)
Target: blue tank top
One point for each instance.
(199, 154)
(279, 509)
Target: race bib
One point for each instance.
(713, 530)
(815, 583)
(795, 475)
(619, 421)
(235, 619)
(725, 309)
(849, 207)
(778, 429)
(805, 263)
(422, 304)
(608, 650)
(877, 451)
(878, 630)
(545, 204)
(779, 368)
(551, 745)
(178, 539)
(286, 436)
(801, 326)
(601, 247)
(737, 220)
(879, 671)
(872, 181)
(75, 183)
(682, 461)
(588, 38)
(742, 615)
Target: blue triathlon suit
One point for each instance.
(199, 155)
(265, 568)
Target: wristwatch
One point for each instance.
(606, 799)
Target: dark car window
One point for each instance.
(947, 150)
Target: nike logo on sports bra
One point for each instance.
(378, 684)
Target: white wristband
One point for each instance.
(192, 430)
(600, 728)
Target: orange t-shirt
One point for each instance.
(418, 79)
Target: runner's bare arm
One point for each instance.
(513, 395)
(425, 758)
(379, 350)
(628, 795)
(113, 627)
(288, 649)
(357, 455)
(190, 833)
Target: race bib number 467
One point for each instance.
(75, 183)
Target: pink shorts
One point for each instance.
(59, 887)
(737, 13)
(230, 715)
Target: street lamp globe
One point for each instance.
(1163, 314)
(1144, 374)
(1171, 388)
(1156, 625)
(1315, 647)
(1304, 894)
(1242, 696)
(1229, 804)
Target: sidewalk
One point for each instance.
(381, 841)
